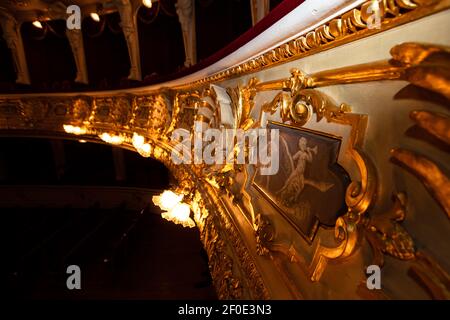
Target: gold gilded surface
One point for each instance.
(350, 26)
(433, 178)
(298, 108)
(436, 124)
(427, 66)
(386, 235)
(233, 259)
(431, 276)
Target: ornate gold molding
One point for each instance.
(423, 65)
(350, 26)
(419, 64)
(386, 235)
(298, 107)
(208, 207)
(233, 267)
(185, 98)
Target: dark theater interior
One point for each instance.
(246, 151)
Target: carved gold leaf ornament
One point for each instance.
(232, 265)
(242, 98)
(436, 182)
(427, 66)
(233, 270)
(386, 235)
(384, 231)
(297, 107)
(436, 124)
(176, 108)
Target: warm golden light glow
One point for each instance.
(144, 149)
(147, 3)
(37, 24)
(112, 139)
(180, 215)
(138, 140)
(82, 141)
(68, 128)
(175, 210)
(95, 16)
(167, 200)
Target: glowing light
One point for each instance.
(112, 139)
(175, 210)
(145, 150)
(167, 200)
(147, 3)
(37, 24)
(95, 16)
(82, 141)
(180, 215)
(138, 140)
(74, 129)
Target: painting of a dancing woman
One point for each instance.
(310, 186)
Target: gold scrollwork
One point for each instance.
(298, 108)
(242, 98)
(178, 102)
(346, 236)
(419, 64)
(264, 234)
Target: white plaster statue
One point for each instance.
(129, 28)
(13, 38)
(186, 16)
(75, 38)
(260, 8)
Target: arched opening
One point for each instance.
(49, 56)
(218, 23)
(160, 40)
(67, 202)
(106, 51)
(7, 72)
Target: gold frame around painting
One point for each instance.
(308, 237)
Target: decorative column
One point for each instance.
(11, 33)
(186, 16)
(75, 38)
(129, 28)
(260, 9)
